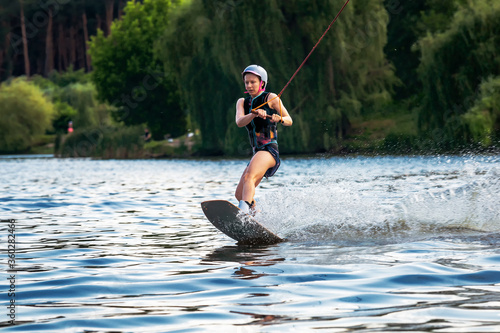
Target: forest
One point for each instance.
(390, 77)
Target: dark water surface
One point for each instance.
(375, 245)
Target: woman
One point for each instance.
(262, 130)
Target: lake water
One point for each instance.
(375, 244)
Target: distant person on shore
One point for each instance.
(147, 135)
(261, 125)
(70, 127)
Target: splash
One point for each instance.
(385, 208)
(474, 205)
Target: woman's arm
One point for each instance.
(276, 104)
(242, 119)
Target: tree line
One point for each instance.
(40, 36)
(432, 63)
(427, 70)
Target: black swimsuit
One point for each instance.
(263, 133)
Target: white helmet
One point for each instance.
(257, 70)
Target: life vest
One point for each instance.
(261, 132)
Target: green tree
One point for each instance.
(127, 74)
(55, 31)
(210, 42)
(409, 21)
(82, 97)
(453, 65)
(25, 114)
(482, 120)
(64, 114)
(75, 98)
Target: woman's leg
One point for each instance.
(253, 174)
(239, 189)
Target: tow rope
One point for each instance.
(302, 64)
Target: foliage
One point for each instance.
(53, 44)
(453, 65)
(409, 21)
(75, 99)
(210, 42)
(127, 74)
(64, 114)
(63, 79)
(436, 16)
(105, 142)
(25, 114)
(348, 81)
(82, 97)
(482, 120)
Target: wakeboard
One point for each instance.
(239, 226)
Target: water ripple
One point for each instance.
(375, 245)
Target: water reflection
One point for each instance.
(247, 257)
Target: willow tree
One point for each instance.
(25, 114)
(129, 76)
(409, 21)
(210, 42)
(482, 120)
(453, 65)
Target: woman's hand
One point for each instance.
(261, 113)
(276, 118)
